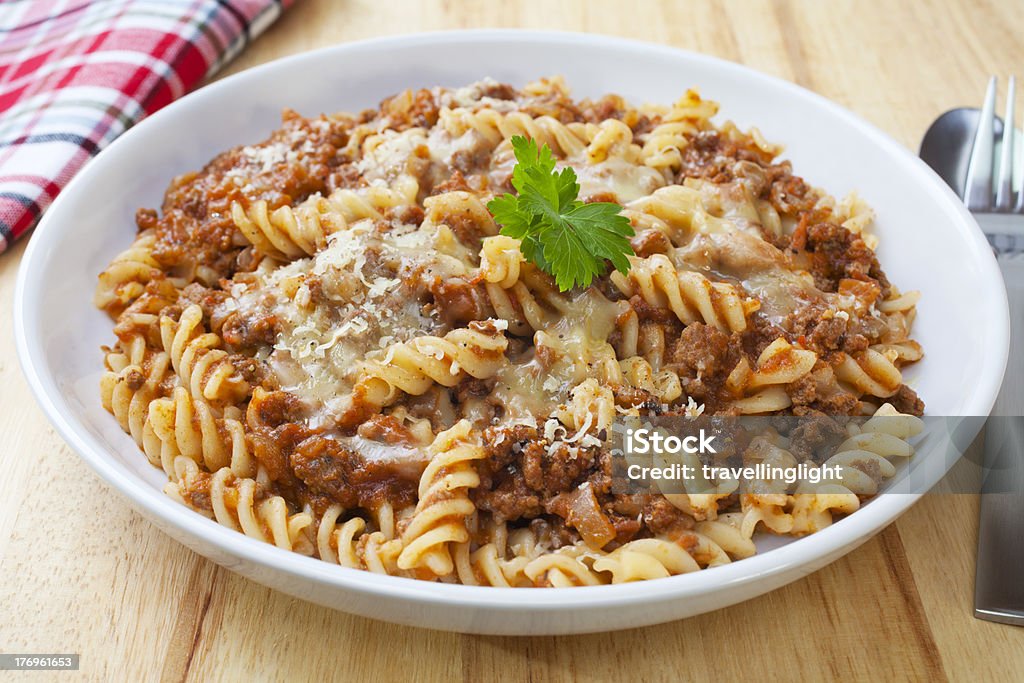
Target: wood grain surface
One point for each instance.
(82, 572)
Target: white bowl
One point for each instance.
(928, 242)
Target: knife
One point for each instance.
(999, 586)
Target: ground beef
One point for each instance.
(253, 371)
(507, 498)
(608, 107)
(385, 429)
(712, 156)
(197, 492)
(271, 449)
(816, 393)
(554, 105)
(836, 254)
(907, 401)
(824, 335)
(134, 379)
(759, 334)
(815, 435)
(790, 195)
(196, 228)
(329, 469)
(498, 91)
(705, 357)
(247, 333)
(646, 311)
(663, 518)
(207, 299)
(469, 162)
(406, 215)
(557, 472)
(146, 219)
(470, 389)
(456, 182)
(546, 356)
(411, 109)
(274, 410)
(466, 228)
(828, 335)
(501, 444)
(345, 177)
(634, 397)
(626, 528)
(519, 477)
(649, 242)
(273, 433)
(552, 531)
(459, 301)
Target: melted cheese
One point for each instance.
(578, 345)
(368, 280)
(367, 302)
(627, 181)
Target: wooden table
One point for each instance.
(82, 572)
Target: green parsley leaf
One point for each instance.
(564, 237)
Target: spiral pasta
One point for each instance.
(864, 459)
(325, 342)
(663, 146)
(644, 559)
(439, 519)
(531, 303)
(183, 426)
(780, 363)
(414, 367)
(351, 545)
(453, 208)
(689, 295)
(611, 138)
(637, 372)
(131, 384)
(496, 127)
(481, 567)
(870, 372)
(202, 368)
(501, 261)
(125, 279)
(562, 568)
(287, 232)
(237, 505)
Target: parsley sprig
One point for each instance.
(564, 237)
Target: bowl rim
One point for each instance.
(847, 532)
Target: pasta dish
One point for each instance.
(335, 342)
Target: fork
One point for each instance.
(999, 209)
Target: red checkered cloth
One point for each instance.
(76, 74)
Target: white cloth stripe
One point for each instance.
(38, 34)
(21, 187)
(132, 57)
(42, 84)
(95, 96)
(12, 16)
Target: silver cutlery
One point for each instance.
(990, 193)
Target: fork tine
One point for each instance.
(1004, 180)
(1017, 169)
(978, 187)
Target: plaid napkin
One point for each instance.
(75, 74)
